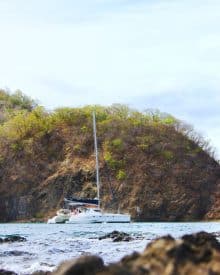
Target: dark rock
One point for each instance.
(115, 270)
(15, 253)
(202, 238)
(12, 238)
(117, 236)
(197, 248)
(86, 265)
(7, 272)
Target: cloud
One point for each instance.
(60, 11)
(158, 53)
(194, 103)
(142, 48)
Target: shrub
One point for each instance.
(16, 100)
(39, 215)
(117, 143)
(84, 129)
(17, 146)
(77, 148)
(145, 141)
(121, 175)
(113, 163)
(168, 155)
(27, 125)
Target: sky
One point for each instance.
(158, 54)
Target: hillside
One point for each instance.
(151, 164)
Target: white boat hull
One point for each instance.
(98, 217)
(57, 219)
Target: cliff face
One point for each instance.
(147, 168)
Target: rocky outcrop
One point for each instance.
(117, 236)
(197, 254)
(12, 238)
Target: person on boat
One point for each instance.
(74, 211)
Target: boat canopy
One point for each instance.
(77, 201)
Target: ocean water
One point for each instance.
(48, 245)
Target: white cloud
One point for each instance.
(75, 53)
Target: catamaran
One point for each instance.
(89, 210)
(96, 215)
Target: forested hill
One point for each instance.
(151, 165)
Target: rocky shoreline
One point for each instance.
(195, 254)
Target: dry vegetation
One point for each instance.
(152, 164)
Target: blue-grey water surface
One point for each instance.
(48, 245)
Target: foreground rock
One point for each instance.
(117, 236)
(7, 272)
(197, 254)
(84, 265)
(12, 238)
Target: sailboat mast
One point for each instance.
(96, 157)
